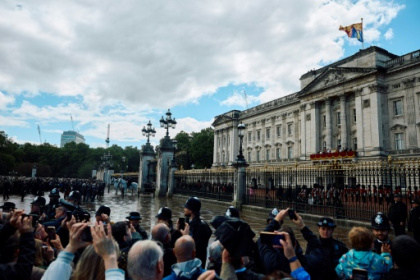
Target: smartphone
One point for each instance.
(69, 216)
(181, 223)
(35, 219)
(360, 274)
(51, 233)
(86, 235)
(271, 238)
(292, 214)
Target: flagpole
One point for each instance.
(363, 42)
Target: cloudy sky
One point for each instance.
(124, 63)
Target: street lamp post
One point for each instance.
(106, 158)
(240, 190)
(241, 129)
(149, 131)
(167, 122)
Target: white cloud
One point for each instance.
(240, 99)
(125, 60)
(389, 34)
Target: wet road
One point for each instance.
(149, 206)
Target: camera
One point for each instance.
(86, 235)
(292, 214)
(35, 219)
(181, 223)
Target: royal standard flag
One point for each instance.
(354, 31)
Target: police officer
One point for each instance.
(232, 212)
(75, 198)
(37, 205)
(414, 220)
(380, 228)
(164, 215)
(332, 249)
(198, 229)
(398, 215)
(53, 204)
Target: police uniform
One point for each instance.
(54, 203)
(199, 229)
(398, 215)
(414, 220)
(380, 222)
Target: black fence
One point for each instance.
(342, 189)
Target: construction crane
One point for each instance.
(107, 137)
(72, 125)
(39, 132)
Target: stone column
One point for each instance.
(343, 119)
(215, 148)
(166, 154)
(296, 134)
(171, 180)
(303, 132)
(328, 124)
(359, 122)
(147, 153)
(240, 188)
(314, 129)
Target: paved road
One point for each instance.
(149, 206)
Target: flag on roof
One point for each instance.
(354, 31)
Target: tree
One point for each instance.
(202, 148)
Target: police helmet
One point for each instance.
(75, 195)
(193, 204)
(40, 201)
(54, 193)
(380, 221)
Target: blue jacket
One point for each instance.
(376, 265)
(189, 270)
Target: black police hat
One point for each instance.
(54, 193)
(232, 212)
(164, 213)
(380, 221)
(66, 204)
(326, 222)
(75, 195)
(217, 221)
(103, 209)
(8, 206)
(415, 201)
(193, 204)
(39, 200)
(236, 236)
(134, 216)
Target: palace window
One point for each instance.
(278, 131)
(267, 133)
(289, 152)
(258, 155)
(289, 129)
(324, 121)
(249, 156)
(338, 118)
(278, 153)
(355, 144)
(398, 108)
(267, 154)
(338, 144)
(249, 136)
(258, 135)
(354, 115)
(399, 141)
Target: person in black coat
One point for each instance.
(398, 215)
(414, 220)
(198, 229)
(406, 258)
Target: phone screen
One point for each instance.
(360, 274)
(292, 214)
(271, 238)
(86, 235)
(181, 222)
(51, 233)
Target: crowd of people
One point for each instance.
(60, 240)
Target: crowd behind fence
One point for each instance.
(343, 189)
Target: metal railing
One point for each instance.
(343, 189)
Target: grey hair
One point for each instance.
(143, 258)
(159, 232)
(215, 252)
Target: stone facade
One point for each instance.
(367, 103)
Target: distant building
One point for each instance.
(71, 136)
(368, 104)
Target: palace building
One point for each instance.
(363, 107)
